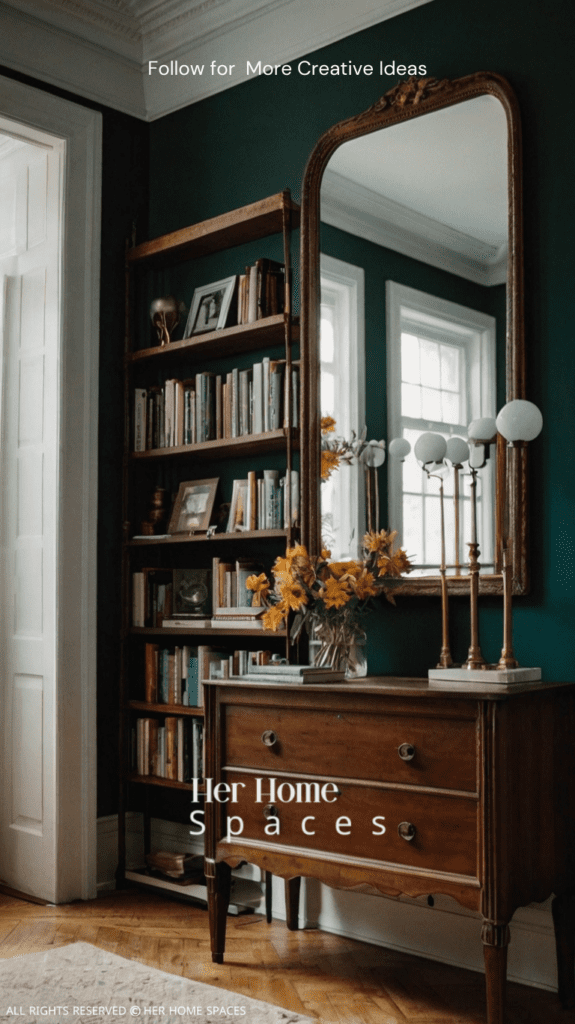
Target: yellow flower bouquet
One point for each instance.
(329, 597)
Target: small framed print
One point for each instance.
(238, 519)
(192, 595)
(193, 506)
(210, 307)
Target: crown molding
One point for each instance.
(99, 49)
(360, 211)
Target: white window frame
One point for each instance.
(479, 331)
(343, 288)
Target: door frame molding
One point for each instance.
(81, 129)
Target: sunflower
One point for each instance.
(293, 595)
(327, 424)
(260, 586)
(274, 618)
(340, 569)
(364, 585)
(329, 462)
(335, 593)
(393, 565)
(382, 541)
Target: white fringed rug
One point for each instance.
(80, 982)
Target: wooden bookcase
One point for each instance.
(151, 269)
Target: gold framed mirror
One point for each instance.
(357, 178)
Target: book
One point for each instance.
(229, 622)
(140, 412)
(303, 673)
(151, 673)
(185, 623)
(294, 680)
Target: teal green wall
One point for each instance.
(254, 140)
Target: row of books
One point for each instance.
(172, 749)
(269, 502)
(174, 675)
(164, 596)
(210, 407)
(261, 291)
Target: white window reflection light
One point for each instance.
(441, 375)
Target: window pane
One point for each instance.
(412, 539)
(327, 394)
(450, 356)
(430, 365)
(430, 404)
(411, 401)
(451, 407)
(432, 530)
(410, 359)
(326, 341)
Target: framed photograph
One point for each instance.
(193, 506)
(192, 594)
(237, 519)
(210, 307)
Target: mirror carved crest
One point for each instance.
(409, 100)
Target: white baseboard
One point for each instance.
(445, 932)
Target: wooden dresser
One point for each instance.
(409, 790)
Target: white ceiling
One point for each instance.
(441, 179)
(100, 49)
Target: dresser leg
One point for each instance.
(292, 888)
(268, 883)
(495, 938)
(563, 909)
(218, 903)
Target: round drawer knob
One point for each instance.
(269, 738)
(406, 751)
(406, 830)
(270, 811)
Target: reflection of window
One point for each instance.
(441, 375)
(342, 362)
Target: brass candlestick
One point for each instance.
(445, 659)
(507, 659)
(475, 658)
(456, 468)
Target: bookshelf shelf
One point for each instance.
(154, 780)
(206, 631)
(246, 224)
(216, 344)
(238, 536)
(223, 448)
(191, 388)
(164, 709)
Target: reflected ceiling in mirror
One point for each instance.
(434, 188)
(430, 173)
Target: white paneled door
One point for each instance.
(30, 270)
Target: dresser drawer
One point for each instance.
(354, 744)
(446, 827)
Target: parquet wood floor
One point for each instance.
(323, 976)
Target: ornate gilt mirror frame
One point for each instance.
(405, 101)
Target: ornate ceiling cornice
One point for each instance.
(100, 48)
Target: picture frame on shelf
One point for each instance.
(192, 594)
(193, 506)
(210, 308)
(237, 519)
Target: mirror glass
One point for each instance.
(413, 268)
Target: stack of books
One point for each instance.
(298, 675)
